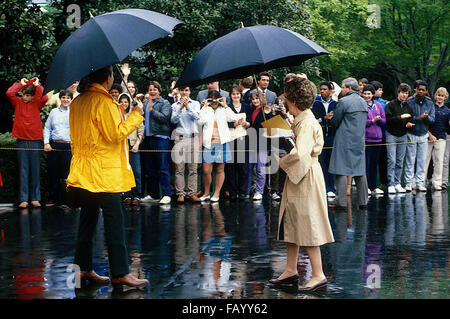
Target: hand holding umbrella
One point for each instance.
(138, 107)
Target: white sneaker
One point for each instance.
(422, 188)
(392, 190)
(165, 200)
(257, 196)
(331, 194)
(399, 189)
(378, 191)
(275, 196)
(408, 188)
(149, 199)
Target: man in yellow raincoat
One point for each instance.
(99, 173)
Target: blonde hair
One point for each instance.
(442, 90)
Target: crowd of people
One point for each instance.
(112, 144)
(184, 142)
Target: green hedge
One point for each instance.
(9, 193)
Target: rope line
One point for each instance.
(201, 151)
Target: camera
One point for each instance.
(213, 101)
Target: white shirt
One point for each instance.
(222, 116)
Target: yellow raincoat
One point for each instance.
(98, 131)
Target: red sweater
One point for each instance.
(27, 116)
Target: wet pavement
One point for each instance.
(398, 248)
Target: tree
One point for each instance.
(341, 28)
(27, 46)
(413, 41)
(207, 20)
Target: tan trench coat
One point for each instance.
(303, 208)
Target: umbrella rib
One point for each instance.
(259, 49)
(108, 40)
(147, 21)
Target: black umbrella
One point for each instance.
(247, 51)
(105, 40)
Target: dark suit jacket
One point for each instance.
(319, 112)
(246, 97)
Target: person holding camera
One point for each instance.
(260, 113)
(277, 179)
(27, 128)
(214, 116)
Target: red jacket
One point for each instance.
(27, 116)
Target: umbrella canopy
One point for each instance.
(248, 51)
(105, 40)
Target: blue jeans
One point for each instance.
(157, 166)
(395, 157)
(29, 170)
(135, 162)
(416, 152)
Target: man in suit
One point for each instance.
(212, 86)
(348, 155)
(263, 81)
(323, 110)
(246, 84)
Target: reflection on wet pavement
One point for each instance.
(397, 248)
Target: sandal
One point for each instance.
(23, 205)
(35, 204)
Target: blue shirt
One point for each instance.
(186, 119)
(418, 108)
(57, 126)
(383, 102)
(441, 122)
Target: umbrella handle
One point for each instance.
(123, 80)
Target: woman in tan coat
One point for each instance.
(303, 219)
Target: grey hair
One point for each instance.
(351, 83)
